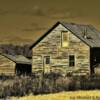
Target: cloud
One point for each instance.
(27, 30)
(27, 10)
(34, 27)
(33, 11)
(38, 11)
(61, 15)
(66, 13)
(3, 12)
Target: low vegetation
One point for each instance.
(51, 83)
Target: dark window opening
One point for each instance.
(47, 59)
(23, 69)
(71, 60)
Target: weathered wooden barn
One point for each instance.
(67, 48)
(14, 65)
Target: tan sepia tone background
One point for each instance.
(23, 21)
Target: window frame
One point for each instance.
(63, 36)
(74, 61)
(45, 57)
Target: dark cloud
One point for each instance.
(3, 12)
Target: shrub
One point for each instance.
(50, 83)
(90, 83)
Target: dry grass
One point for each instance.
(78, 95)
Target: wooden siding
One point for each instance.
(51, 46)
(7, 67)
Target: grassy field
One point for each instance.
(78, 95)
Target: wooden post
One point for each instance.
(42, 79)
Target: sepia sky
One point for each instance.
(26, 20)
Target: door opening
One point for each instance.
(46, 64)
(23, 69)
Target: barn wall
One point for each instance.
(51, 45)
(7, 66)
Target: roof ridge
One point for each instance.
(73, 23)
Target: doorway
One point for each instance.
(23, 69)
(46, 64)
(94, 58)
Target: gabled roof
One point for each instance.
(17, 59)
(92, 35)
(87, 33)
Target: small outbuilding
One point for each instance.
(15, 65)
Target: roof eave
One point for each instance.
(46, 33)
